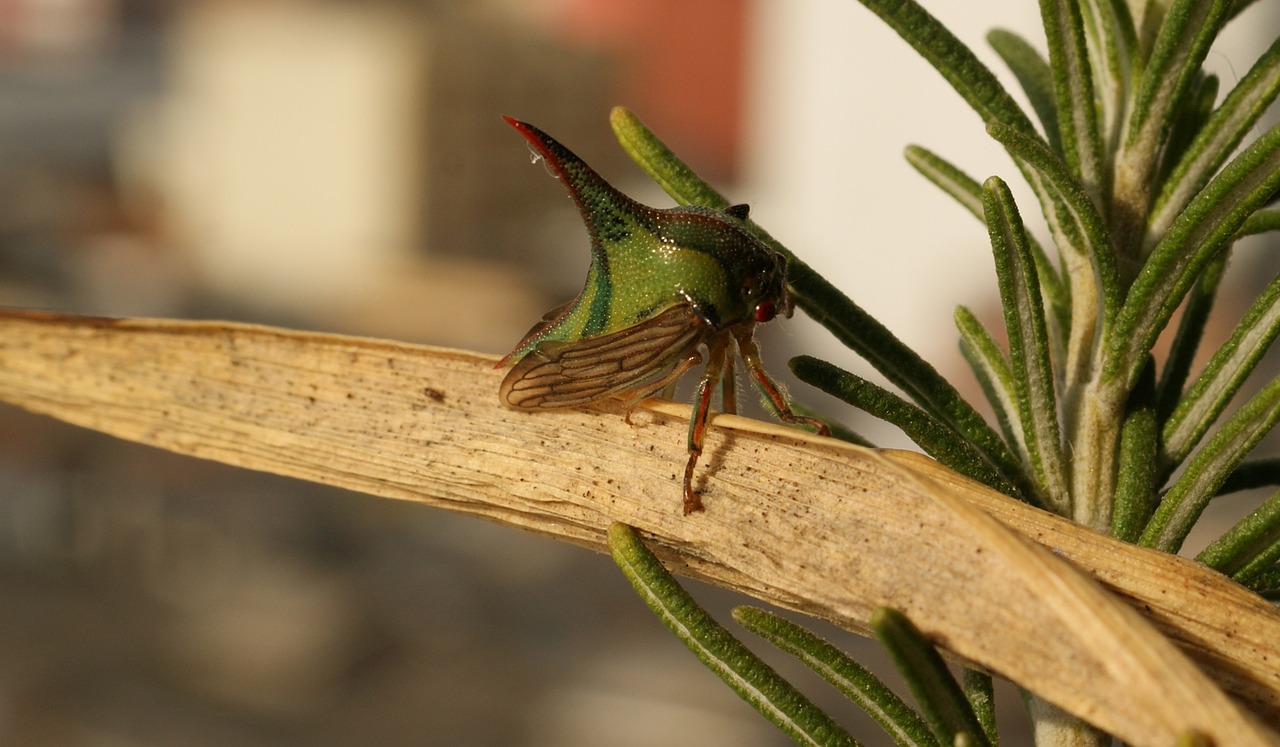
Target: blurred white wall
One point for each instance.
(288, 148)
(344, 165)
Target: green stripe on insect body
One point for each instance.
(664, 285)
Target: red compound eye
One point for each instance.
(765, 311)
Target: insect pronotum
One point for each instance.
(663, 285)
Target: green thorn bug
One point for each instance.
(663, 285)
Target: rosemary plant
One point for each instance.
(1144, 180)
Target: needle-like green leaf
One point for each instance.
(1084, 244)
(1185, 34)
(1035, 77)
(661, 164)
(1199, 233)
(1267, 584)
(948, 177)
(899, 720)
(1147, 16)
(939, 696)
(1028, 343)
(968, 192)
(1138, 473)
(752, 679)
(821, 300)
(1189, 122)
(1250, 547)
(980, 692)
(935, 437)
(1261, 222)
(1223, 376)
(1186, 341)
(1073, 91)
(1112, 43)
(991, 367)
(1216, 140)
(1209, 468)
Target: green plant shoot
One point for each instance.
(663, 285)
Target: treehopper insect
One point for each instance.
(663, 285)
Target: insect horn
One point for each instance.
(603, 207)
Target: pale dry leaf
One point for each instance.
(806, 523)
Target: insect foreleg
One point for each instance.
(717, 350)
(768, 387)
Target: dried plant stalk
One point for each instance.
(809, 524)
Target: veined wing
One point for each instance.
(578, 372)
(548, 319)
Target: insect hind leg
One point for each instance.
(633, 397)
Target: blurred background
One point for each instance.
(342, 166)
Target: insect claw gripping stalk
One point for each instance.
(663, 283)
